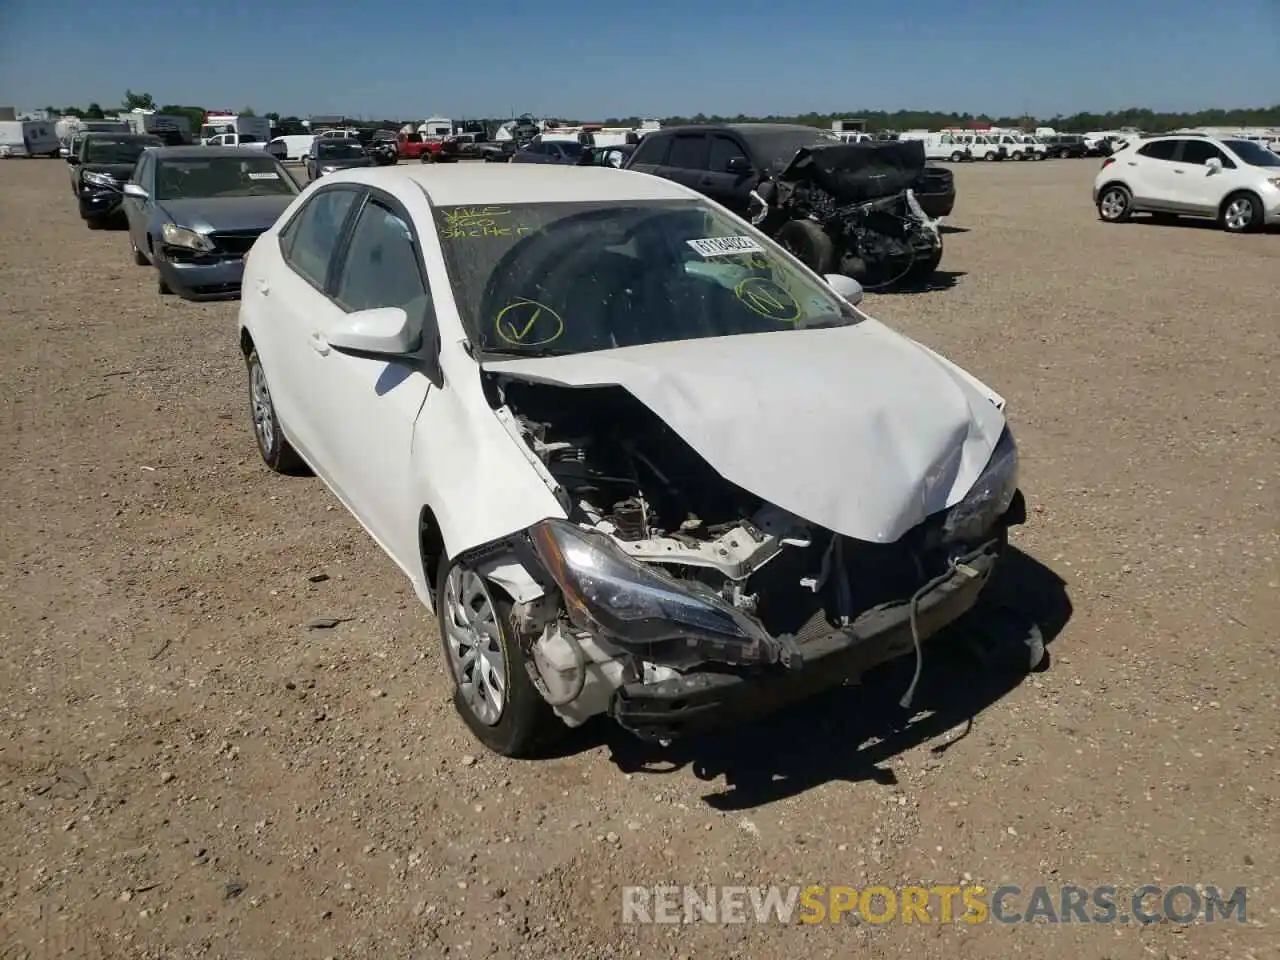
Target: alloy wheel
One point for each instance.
(474, 641)
(264, 415)
(1239, 214)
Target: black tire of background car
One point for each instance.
(1121, 191)
(1017, 155)
(96, 223)
(809, 243)
(1255, 217)
(990, 156)
(139, 257)
(527, 723)
(281, 458)
(922, 269)
(957, 157)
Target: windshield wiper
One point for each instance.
(513, 351)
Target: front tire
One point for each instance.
(492, 689)
(276, 451)
(989, 156)
(809, 244)
(1115, 204)
(1241, 213)
(957, 157)
(1017, 155)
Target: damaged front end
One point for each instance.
(851, 208)
(673, 600)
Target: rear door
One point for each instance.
(1156, 179)
(688, 161)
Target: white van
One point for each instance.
(28, 138)
(940, 146)
(1019, 146)
(290, 147)
(983, 147)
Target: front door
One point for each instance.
(362, 409)
(687, 161)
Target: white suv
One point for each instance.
(1233, 181)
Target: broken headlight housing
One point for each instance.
(641, 608)
(989, 497)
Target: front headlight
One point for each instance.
(641, 608)
(990, 496)
(98, 179)
(177, 236)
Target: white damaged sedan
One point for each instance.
(637, 458)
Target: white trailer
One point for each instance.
(172, 128)
(28, 138)
(290, 147)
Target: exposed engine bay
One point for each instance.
(850, 208)
(623, 473)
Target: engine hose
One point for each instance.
(914, 605)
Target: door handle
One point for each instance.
(319, 344)
(1179, 172)
(264, 288)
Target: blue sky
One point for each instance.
(596, 58)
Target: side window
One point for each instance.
(381, 267)
(1159, 150)
(652, 149)
(310, 238)
(723, 149)
(690, 152)
(1199, 151)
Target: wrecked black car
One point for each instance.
(851, 208)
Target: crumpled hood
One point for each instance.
(214, 214)
(856, 429)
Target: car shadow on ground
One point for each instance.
(850, 732)
(1191, 223)
(936, 281)
(946, 228)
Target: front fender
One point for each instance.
(479, 480)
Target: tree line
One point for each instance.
(1149, 121)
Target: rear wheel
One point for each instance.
(493, 692)
(1115, 204)
(1241, 213)
(957, 157)
(1017, 155)
(809, 244)
(989, 156)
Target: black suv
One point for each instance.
(100, 169)
(727, 162)
(1064, 146)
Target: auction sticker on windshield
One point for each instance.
(264, 176)
(725, 246)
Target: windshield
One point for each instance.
(570, 147)
(184, 178)
(560, 278)
(339, 150)
(122, 150)
(1253, 153)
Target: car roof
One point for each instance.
(459, 184)
(207, 153)
(746, 129)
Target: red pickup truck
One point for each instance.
(409, 146)
(413, 146)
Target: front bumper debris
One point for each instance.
(709, 699)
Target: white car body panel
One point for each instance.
(855, 428)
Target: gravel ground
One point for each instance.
(185, 770)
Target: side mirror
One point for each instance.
(740, 166)
(135, 191)
(382, 331)
(1214, 164)
(846, 287)
(73, 159)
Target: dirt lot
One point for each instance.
(185, 770)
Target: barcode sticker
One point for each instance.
(725, 246)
